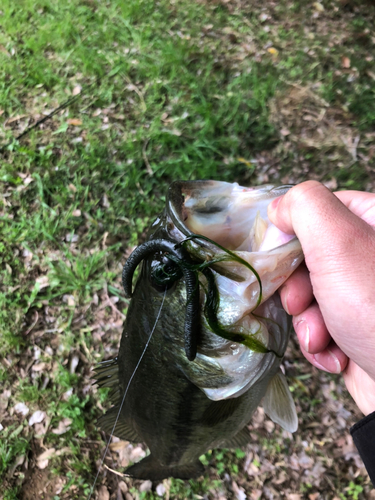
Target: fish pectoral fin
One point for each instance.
(150, 468)
(239, 440)
(123, 430)
(279, 405)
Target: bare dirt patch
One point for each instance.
(41, 484)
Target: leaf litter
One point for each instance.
(320, 459)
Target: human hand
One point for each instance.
(332, 296)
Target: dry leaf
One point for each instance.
(103, 493)
(318, 6)
(4, 50)
(119, 445)
(105, 201)
(15, 119)
(246, 162)
(4, 398)
(238, 491)
(42, 464)
(37, 417)
(69, 299)
(42, 460)
(19, 461)
(123, 487)
(137, 453)
(39, 367)
(160, 490)
(28, 180)
(43, 282)
(64, 426)
(345, 62)
(284, 132)
(145, 486)
(71, 238)
(74, 121)
(75, 359)
(175, 131)
(76, 140)
(269, 425)
(332, 184)
(313, 496)
(21, 408)
(77, 90)
(172, 132)
(274, 52)
(27, 255)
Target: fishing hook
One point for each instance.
(192, 316)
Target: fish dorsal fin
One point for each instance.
(123, 430)
(106, 375)
(279, 405)
(241, 439)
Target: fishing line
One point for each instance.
(125, 393)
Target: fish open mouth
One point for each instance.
(229, 214)
(235, 219)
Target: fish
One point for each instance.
(206, 306)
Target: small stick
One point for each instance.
(148, 166)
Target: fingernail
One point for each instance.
(285, 296)
(303, 331)
(307, 337)
(336, 361)
(332, 360)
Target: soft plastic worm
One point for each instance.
(192, 315)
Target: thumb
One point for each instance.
(339, 250)
(327, 230)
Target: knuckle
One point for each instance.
(305, 192)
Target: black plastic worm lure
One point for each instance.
(179, 256)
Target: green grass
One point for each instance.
(169, 90)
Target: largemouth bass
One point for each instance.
(211, 266)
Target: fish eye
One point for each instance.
(164, 273)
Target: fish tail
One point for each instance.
(150, 468)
